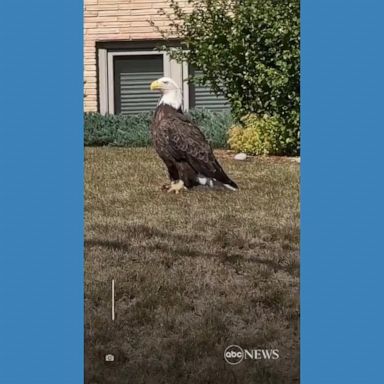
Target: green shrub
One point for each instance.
(259, 136)
(133, 130)
(116, 130)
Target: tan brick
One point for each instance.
(140, 12)
(144, 36)
(91, 81)
(139, 18)
(107, 18)
(158, 4)
(91, 100)
(89, 73)
(89, 42)
(113, 13)
(89, 70)
(131, 6)
(106, 36)
(90, 91)
(102, 31)
(137, 29)
(101, 7)
(88, 13)
(89, 61)
(90, 105)
(140, 24)
(92, 24)
(109, 24)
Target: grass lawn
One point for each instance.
(194, 272)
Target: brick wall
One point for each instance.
(114, 20)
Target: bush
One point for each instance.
(259, 136)
(116, 130)
(133, 130)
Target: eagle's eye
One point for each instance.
(165, 81)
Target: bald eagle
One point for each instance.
(181, 145)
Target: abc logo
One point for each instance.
(233, 354)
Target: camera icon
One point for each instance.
(109, 357)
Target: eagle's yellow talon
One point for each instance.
(165, 187)
(177, 187)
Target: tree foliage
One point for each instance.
(247, 50)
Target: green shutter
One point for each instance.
(133, 76)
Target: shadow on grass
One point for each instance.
(180, 245)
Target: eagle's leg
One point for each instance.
(177, 187)
(173, 175)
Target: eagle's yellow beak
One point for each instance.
(155, 85)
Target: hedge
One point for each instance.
(133, 130)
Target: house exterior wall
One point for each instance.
(112, 20)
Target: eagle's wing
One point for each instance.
(187, 143)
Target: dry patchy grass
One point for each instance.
(194, 272)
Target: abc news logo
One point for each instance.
(234, 354)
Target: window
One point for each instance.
(201, 96)
(132, 76)
(125, 76)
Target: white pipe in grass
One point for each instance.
(113, 299)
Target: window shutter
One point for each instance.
(204, 98)
(133, 76)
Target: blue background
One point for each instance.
(41, 192)
(342, 192)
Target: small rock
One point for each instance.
(241, 156)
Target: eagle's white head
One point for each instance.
(171, 92)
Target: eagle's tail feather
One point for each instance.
(229, 184)
(222, 177)
(230, 187)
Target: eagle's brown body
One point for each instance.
(184, 150)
